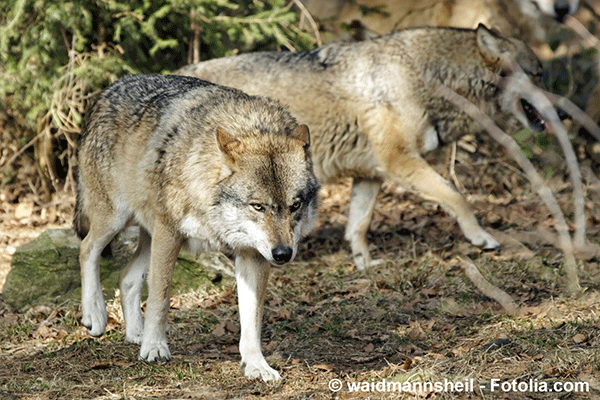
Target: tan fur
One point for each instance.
(373, 111)
(192, 164)
(528, 20)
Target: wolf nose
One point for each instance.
(562, 9)
(282, 254)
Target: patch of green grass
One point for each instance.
(15, 333)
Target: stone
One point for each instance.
(45, 271)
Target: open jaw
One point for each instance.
(533, 116)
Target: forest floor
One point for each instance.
(414, 318)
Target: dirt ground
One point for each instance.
(414, 321)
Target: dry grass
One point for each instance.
(413, 318)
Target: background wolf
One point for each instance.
(190, 162)
(528, 20)
(373, 110)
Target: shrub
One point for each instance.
(55, 56)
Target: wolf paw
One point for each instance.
(363, 263)
(260, 370)
(94, 316)
(484, 240)
(133, 337)
(155, 352)
(134, 330)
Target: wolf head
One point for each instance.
(500, 51)
(268, 194)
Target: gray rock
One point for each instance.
(46, 270)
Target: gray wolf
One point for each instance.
(195, 164)
(528, 20)
(373, 111)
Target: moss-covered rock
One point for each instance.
(46, 271)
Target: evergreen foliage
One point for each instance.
(56, 55)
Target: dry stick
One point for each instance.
(311, 21)
(487, 288)
(574, 173)
(538, 99)
(575, 112)
(519, 86)
(537, 183)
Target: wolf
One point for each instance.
(373, 109)
(529, 20)
(195, 164)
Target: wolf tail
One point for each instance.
(81, 220)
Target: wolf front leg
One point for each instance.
(252, 275)
(163, 255)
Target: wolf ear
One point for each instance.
(227, 144)
(489, 43)
(301, 134)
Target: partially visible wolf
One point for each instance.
(373, 109)
(191, 163)
(528, 20)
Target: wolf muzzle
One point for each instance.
(282, 254)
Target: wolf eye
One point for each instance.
(258, 207)
(296, 206)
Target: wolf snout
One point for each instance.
(562, 8)
(282, 254)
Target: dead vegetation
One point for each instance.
(416, 317)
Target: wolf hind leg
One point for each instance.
(252, 275)
(362, 204)
(131, 282)
(421, 177)
(102, 231)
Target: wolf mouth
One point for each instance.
(533, 116)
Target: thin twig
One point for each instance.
(535, 96)
(575, 112)
(491, 291)
(23, 149)
(537, 182)
(310, 19)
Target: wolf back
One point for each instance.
(373, 110)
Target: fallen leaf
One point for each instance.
(24, 210)
(208, 303)
(219, 330)
(407, 364)
(323, 367)
(232, 349)
(231, 327)
(578, 338)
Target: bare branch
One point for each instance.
(523, 88)
(311, 21)
(575, 112)
(537, 182)
(491, 291)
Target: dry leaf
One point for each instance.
(578, 338)
(208, 303)
(219, 330)
(24, 210)
(323, 367)
(231, 327)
